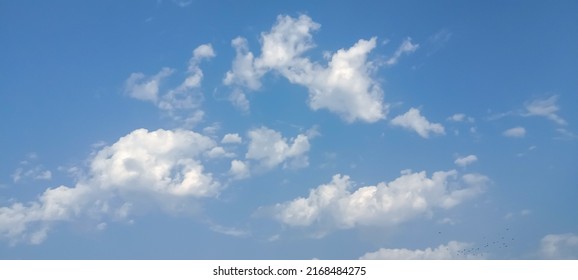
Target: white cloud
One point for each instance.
(515, 132)
(180, 103)
(451, 251)
(467, 160)
(35, 173)
(142, 170)
(344, 86)
(413, 120)
(336, 205)
(406, 47)
(460, 118)
(270, 149)
(559, 246)
(231, 138)
(239, 169)
(140, 87)
(219, 152)
(544, 108)
(229, 231)
(244, 72)
(239, 100)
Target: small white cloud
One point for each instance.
(239, 169)
(270, 148)
(182, 3)
(559, 246)
(33, 173)
(229, 231)
(231, 138)
(101, 226)
(544, 108)
(181, 103)
(451, 251)
(145, 88)
(406, 47)
(413, 120)
(239, 100)
(515, 132)
(219, 152)
(460, 118)
(467, 160)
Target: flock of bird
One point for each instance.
(503, 242)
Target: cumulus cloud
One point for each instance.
(451, 251)
(413, 120)
(231, 138)
(544, 108)
(465, 161)
(406, 47)
(180, 103)
(559, 246)
(270, 149)
(145, 169)
(515, 132)
(338, 205)
(344, 86)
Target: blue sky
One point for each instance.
(333, 130)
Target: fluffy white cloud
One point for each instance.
(413, 120)
(270, 148)
(345, 86)
(144, 169)
(544, 108)
(467, 160)
(231, 138)
(239, 169)
(336, 205)
(559, 246)
(515, 132)
(244, 72)
(451, 251)
(406, 47)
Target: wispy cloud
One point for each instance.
(406, 47)
(544, 108)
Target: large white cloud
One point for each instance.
(345, 86)
(452, 250)
(559, 246)
(145, 169)
(413, 120)
(270, 149)
(337, 205)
